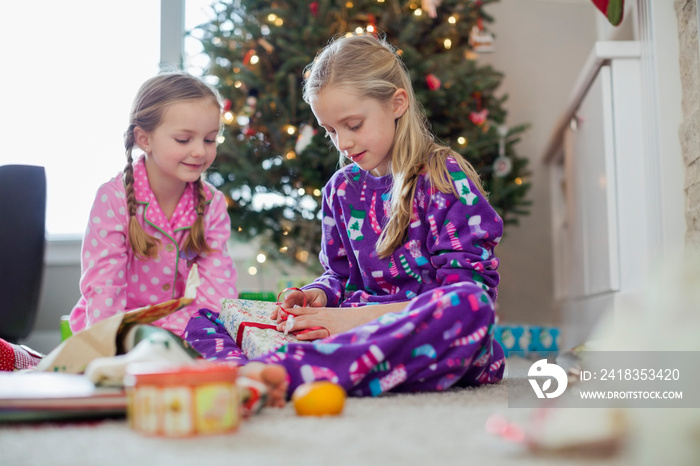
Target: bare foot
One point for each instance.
(273, 376)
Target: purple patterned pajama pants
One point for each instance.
(443, 338)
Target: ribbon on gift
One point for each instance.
(261, 335)
(285, 317)
(244, 325)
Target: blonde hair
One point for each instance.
(371, 68)
(152, 98)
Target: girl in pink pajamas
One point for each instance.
(157, 218)
(406, 302)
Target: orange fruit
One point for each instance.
(319, 398)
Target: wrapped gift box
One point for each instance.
(250, 325)
(530, 341)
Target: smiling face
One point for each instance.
(362, 129)
(183, 145)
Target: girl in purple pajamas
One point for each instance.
(406, 302)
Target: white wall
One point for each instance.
(664, 115)
(541, 45)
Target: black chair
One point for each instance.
(22, 245)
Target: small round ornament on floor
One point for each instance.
(319, 398)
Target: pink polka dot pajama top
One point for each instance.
(114, 280)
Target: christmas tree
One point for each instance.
(273, 161)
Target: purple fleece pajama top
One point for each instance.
(449, 240)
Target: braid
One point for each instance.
(143, 244)
(129, 186)
(196, 241)
(200, 198)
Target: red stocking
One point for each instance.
(7, 356)
(15, 357)
(613, 9)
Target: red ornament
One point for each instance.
(477, 98)
(313, 7)
(433, 82)
(372, 21)
(479, 118)
(227, 105)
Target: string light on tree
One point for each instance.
(228, 116)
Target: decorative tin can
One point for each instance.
(180, 401)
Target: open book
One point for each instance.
(45, 396)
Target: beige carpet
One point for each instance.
(421, 429)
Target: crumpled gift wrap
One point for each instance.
(249, 324)
(104, 339)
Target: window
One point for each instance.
(68, 82)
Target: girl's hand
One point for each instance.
(314, 297)
(312, 323)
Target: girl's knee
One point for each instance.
(464, 294)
